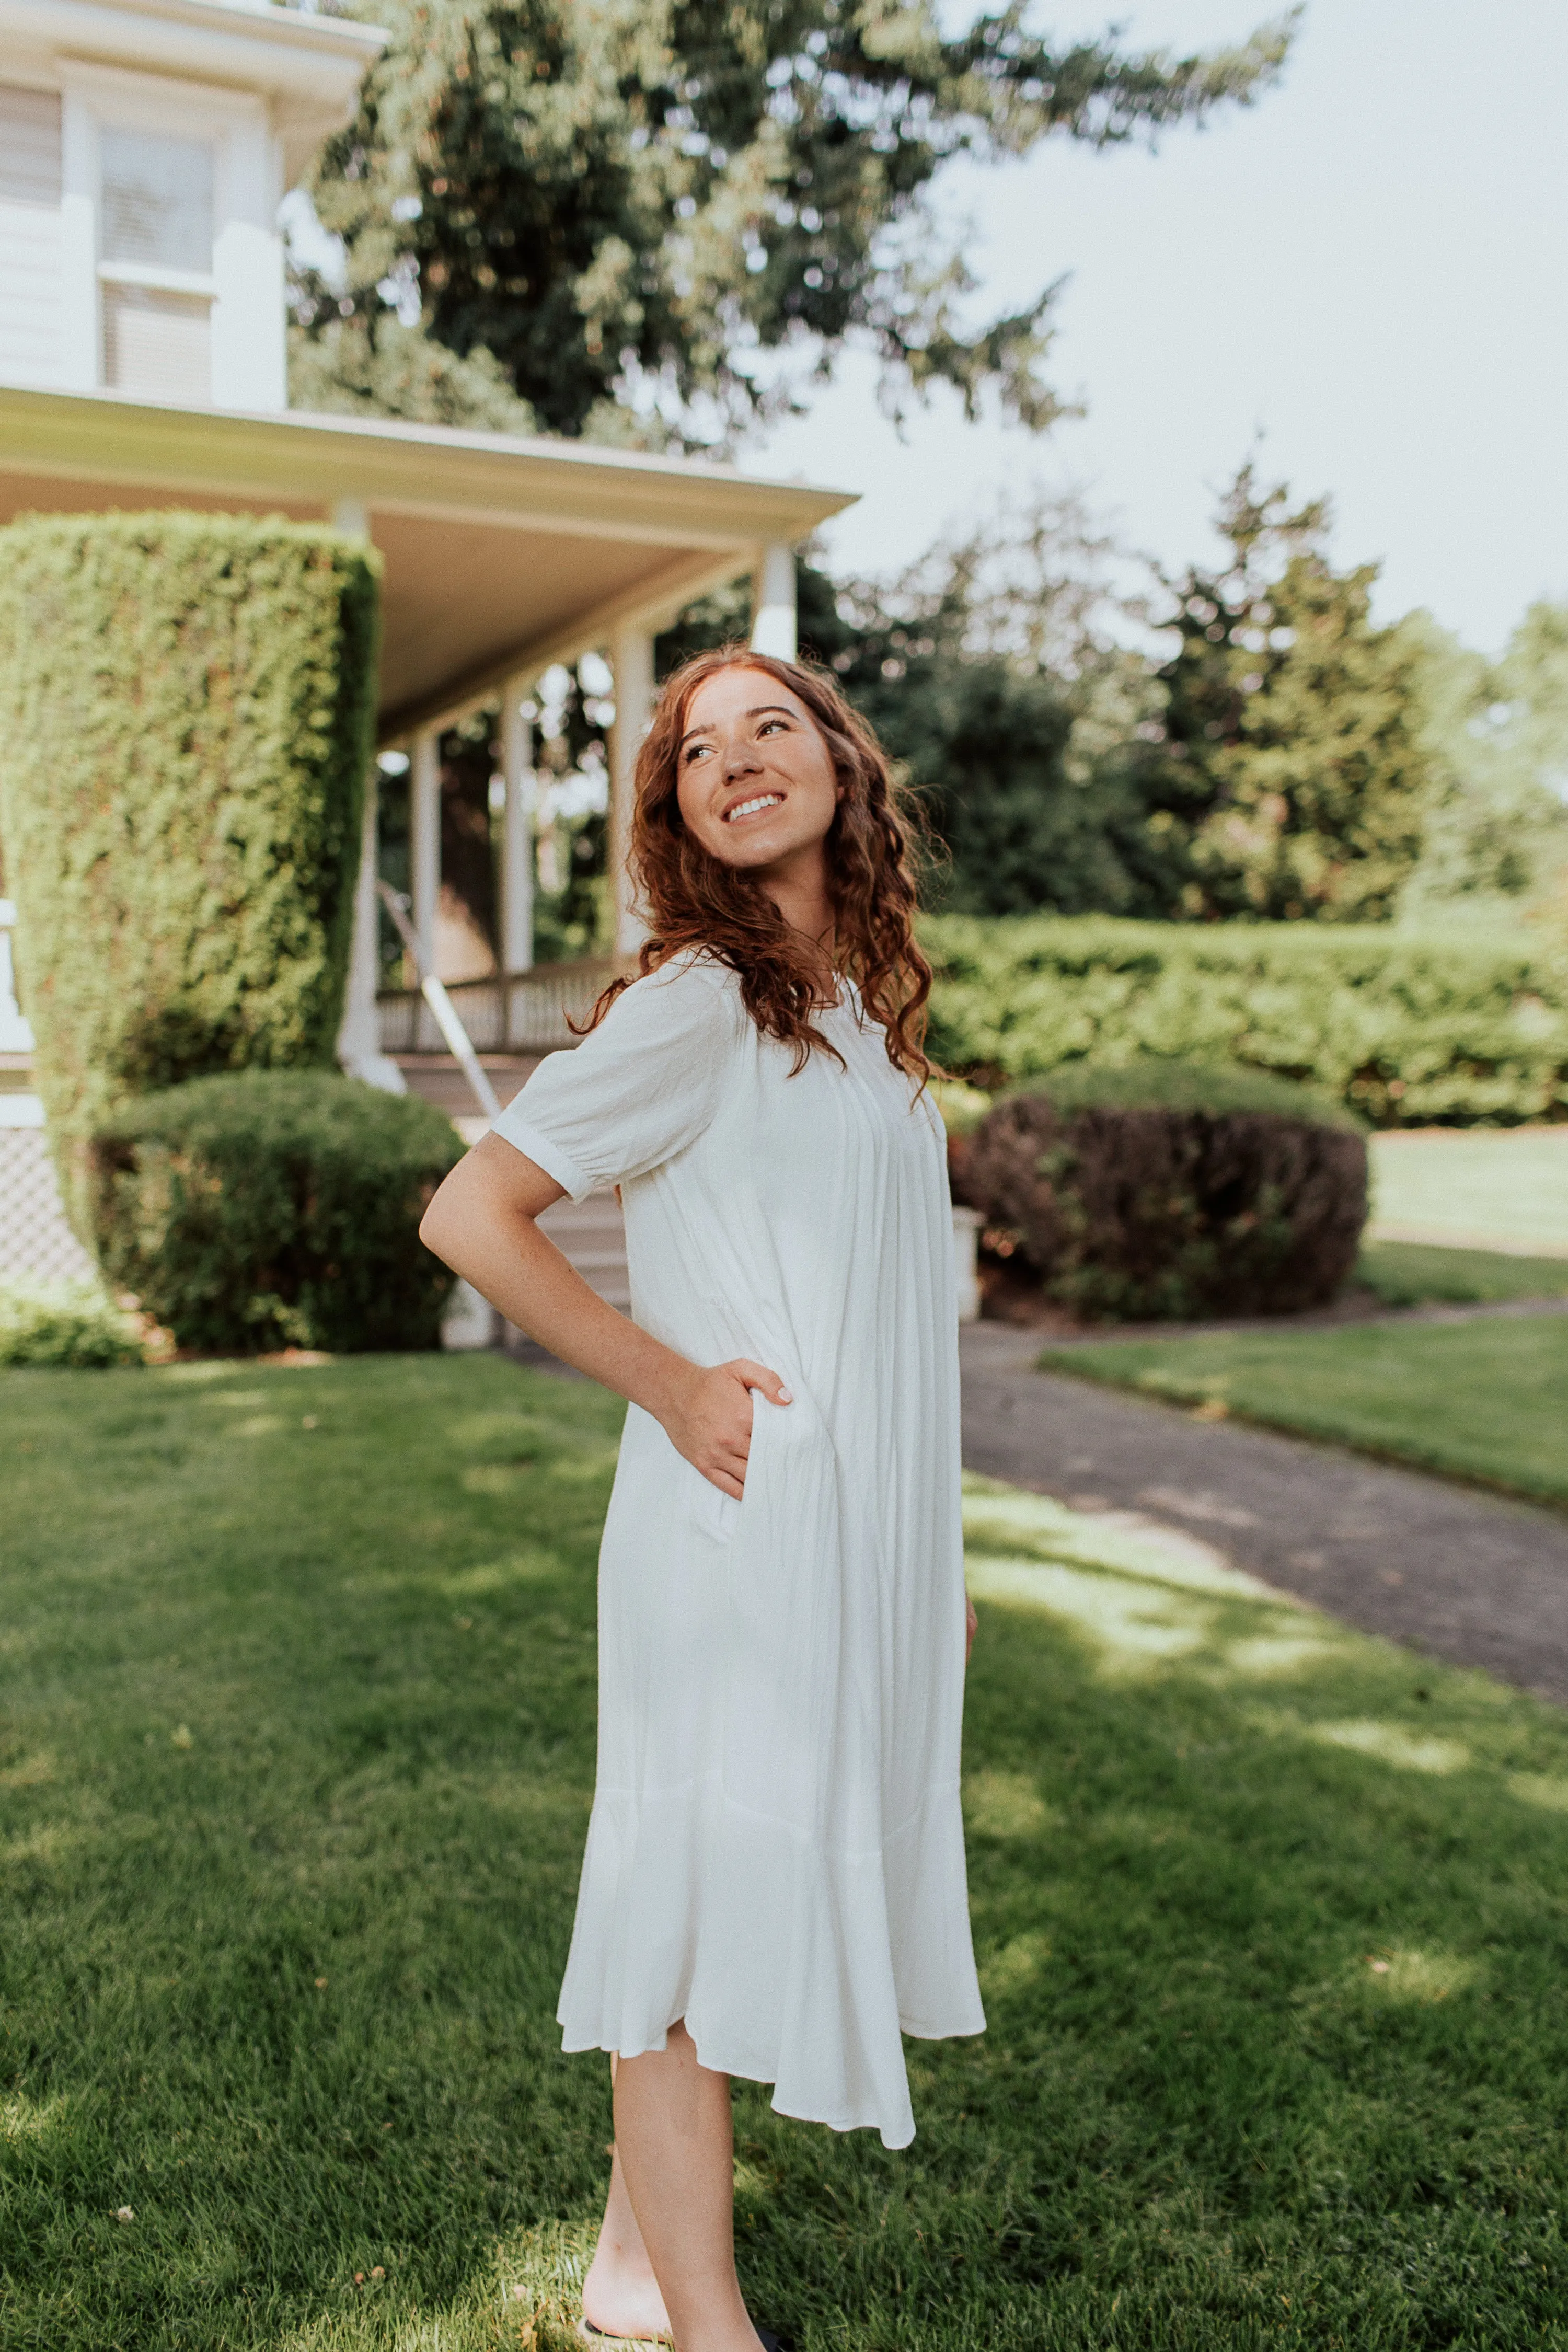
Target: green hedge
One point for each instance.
(1407, 1029)
(187, 715)
(276, 1209)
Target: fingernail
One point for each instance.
(785, 1396)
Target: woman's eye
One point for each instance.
(694, 751)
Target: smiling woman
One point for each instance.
(769, 831)
(774, 1883)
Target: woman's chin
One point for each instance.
(752, 856)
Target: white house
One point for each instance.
(144, 150)
(145, 146)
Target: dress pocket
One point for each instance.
(717, 1514)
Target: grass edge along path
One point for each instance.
(297, 1684)
(1420, 1274)
(1479, 1400)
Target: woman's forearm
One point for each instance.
(482, 1223)
(497, 1246)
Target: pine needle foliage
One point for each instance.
(1292, 732)
(186, 710)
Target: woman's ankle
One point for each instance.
(620, 2293)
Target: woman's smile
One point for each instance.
(757, 785)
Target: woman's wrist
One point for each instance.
(662, 1379)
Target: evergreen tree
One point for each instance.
(616, 196)
(983, 675)
(1497, 832)
(1293, 761)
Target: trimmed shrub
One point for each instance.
(276, 1209)
(1218, 1087)
(1407, 1029)
(1132, 1202)
(186, 716)
(67, 1325)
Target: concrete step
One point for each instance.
(438, 1079)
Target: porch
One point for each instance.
(501, 557)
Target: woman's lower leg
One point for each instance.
(620, 2293)
(675, 2139)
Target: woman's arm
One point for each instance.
(482, 1223)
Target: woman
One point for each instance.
(775, 1878)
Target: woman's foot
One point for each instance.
(621, 2298)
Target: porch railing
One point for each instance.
(513, 1013)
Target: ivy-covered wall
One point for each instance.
(187, 715)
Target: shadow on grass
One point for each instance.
(298, 1755)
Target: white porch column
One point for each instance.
(773, 601)
(631, 659)
(15, 1036)
(424, 841)
(516, 926)
(359, 1037)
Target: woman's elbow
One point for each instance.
(437, 1226)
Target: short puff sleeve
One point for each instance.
(639, 1087)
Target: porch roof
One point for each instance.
(501, 555)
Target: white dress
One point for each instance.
(775, 1853)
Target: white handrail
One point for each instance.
(440, 1003)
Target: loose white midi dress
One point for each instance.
(775, 1851)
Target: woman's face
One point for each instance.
(755, 781)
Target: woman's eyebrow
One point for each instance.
(760, 711)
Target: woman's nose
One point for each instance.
(739, 759)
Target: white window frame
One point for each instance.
(248, 350)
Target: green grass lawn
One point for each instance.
(1410, 1274)
(1480, 1399)
(1506, 1187)
(297, 1757)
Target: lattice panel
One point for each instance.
(35, 1240)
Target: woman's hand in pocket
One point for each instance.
(709, 1418)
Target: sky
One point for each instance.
(1368, 269)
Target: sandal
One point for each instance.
(592, 2335)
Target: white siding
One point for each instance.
(31, 254)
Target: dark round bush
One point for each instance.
(278, 1208)
(1173, 1190)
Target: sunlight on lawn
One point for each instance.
(1130, 1590)
(1138, 1591)
(1499, 1188)
(1392, 1746)
(296, 1754)
(1401, 1975)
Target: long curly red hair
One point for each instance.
(691, 899)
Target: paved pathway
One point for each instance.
(1466, 1577)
